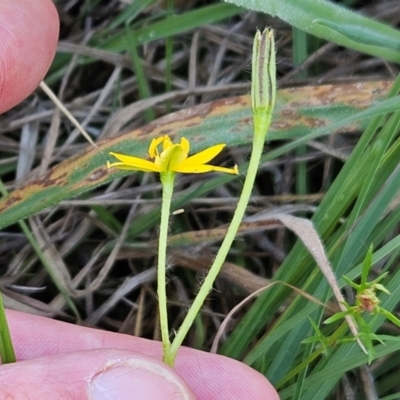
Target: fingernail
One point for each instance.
(139, 379)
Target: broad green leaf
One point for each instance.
(298, 111)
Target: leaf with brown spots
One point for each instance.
(298, 111)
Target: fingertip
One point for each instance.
(95, 375)
(144, 378)
(210, 376)
(28, 41)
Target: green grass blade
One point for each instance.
(297, 265)
(141, 78)
(147, 31)
(333, 22)
(173, 26)
(7, 354)
(129, 14)
(48, 267)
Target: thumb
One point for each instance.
(95, 375)
(28, 40)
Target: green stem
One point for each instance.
(258, 146)
(263, 100)
(167, 181)
(7, 354)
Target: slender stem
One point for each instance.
(62, 108)
(263, 100)
(7, 354)
(167, 181)
(258, 145)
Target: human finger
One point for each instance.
(28, 40)
(210, 376)
(92, 374)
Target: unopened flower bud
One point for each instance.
(263, 82)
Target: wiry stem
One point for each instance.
(167, 180)
(263, 100)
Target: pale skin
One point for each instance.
(66, 361)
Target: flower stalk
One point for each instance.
(170, 158)
(167, 181)
(263, 91)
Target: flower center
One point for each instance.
(171, 157)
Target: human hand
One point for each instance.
(57, 360)
(61, 361)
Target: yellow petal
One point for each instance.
(133, 163)
(202, 168)
(185, 145)
(166, 142)
(173, 157)
(204, 156)
(153, 151)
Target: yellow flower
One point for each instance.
(172, 157)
